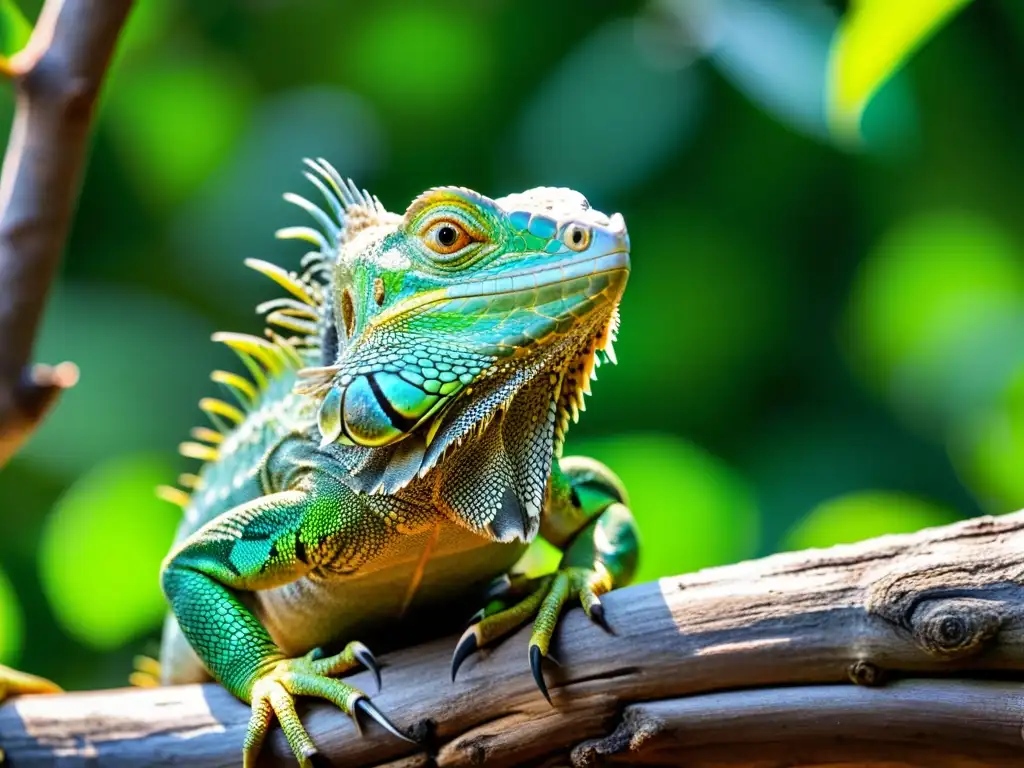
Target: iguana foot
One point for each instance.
(545, 598)
(14, 683)
(273, 695)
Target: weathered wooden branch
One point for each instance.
(902, 650)
(57, 78)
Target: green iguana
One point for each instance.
(399, 448)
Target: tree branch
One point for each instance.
(767, 653)
(57, 78)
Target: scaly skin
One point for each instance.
(396, 453)
(402, 448)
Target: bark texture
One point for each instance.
(898, 651)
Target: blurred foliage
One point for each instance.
(11, 628)
(872, 41)
(820, 341)
(862, 515)
(100, 576)
(14, 28)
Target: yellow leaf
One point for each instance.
(872, 41)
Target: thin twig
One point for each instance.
(57, 78)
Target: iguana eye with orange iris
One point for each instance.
(446, 237)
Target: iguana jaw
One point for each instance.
(577, 273)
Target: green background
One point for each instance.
(818, 344)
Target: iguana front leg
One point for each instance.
(587, 518)
(264, 544)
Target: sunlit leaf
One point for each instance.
(864, 515)
(11, 630)
(873, 40)
(580, 128)
(14, 28)
(101, 551)
(692, 510)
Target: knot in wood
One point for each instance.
(865, 673)
(955, 627)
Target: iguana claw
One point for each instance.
(597, 616)
(544, 604)
(311, 675)
(467, 645)
(365, 706)
(536, 659)
(365, 657)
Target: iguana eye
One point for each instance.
(446, 237)
(576, 237)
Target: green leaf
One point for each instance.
(692, 510)
(101, 551)
(872, 42)
(14, 28)
(864, 515)
(11, 630)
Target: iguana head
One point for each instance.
(468, 327)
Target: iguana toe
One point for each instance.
(544, 604)
(273, 695)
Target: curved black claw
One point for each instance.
(476, 617)
(536, 659)
(498, 588)
(363, 705)
(597, 616)
(365, 657)
(467, 645)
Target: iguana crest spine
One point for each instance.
(304, 314)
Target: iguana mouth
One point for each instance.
(528, 280)
(522, 282)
